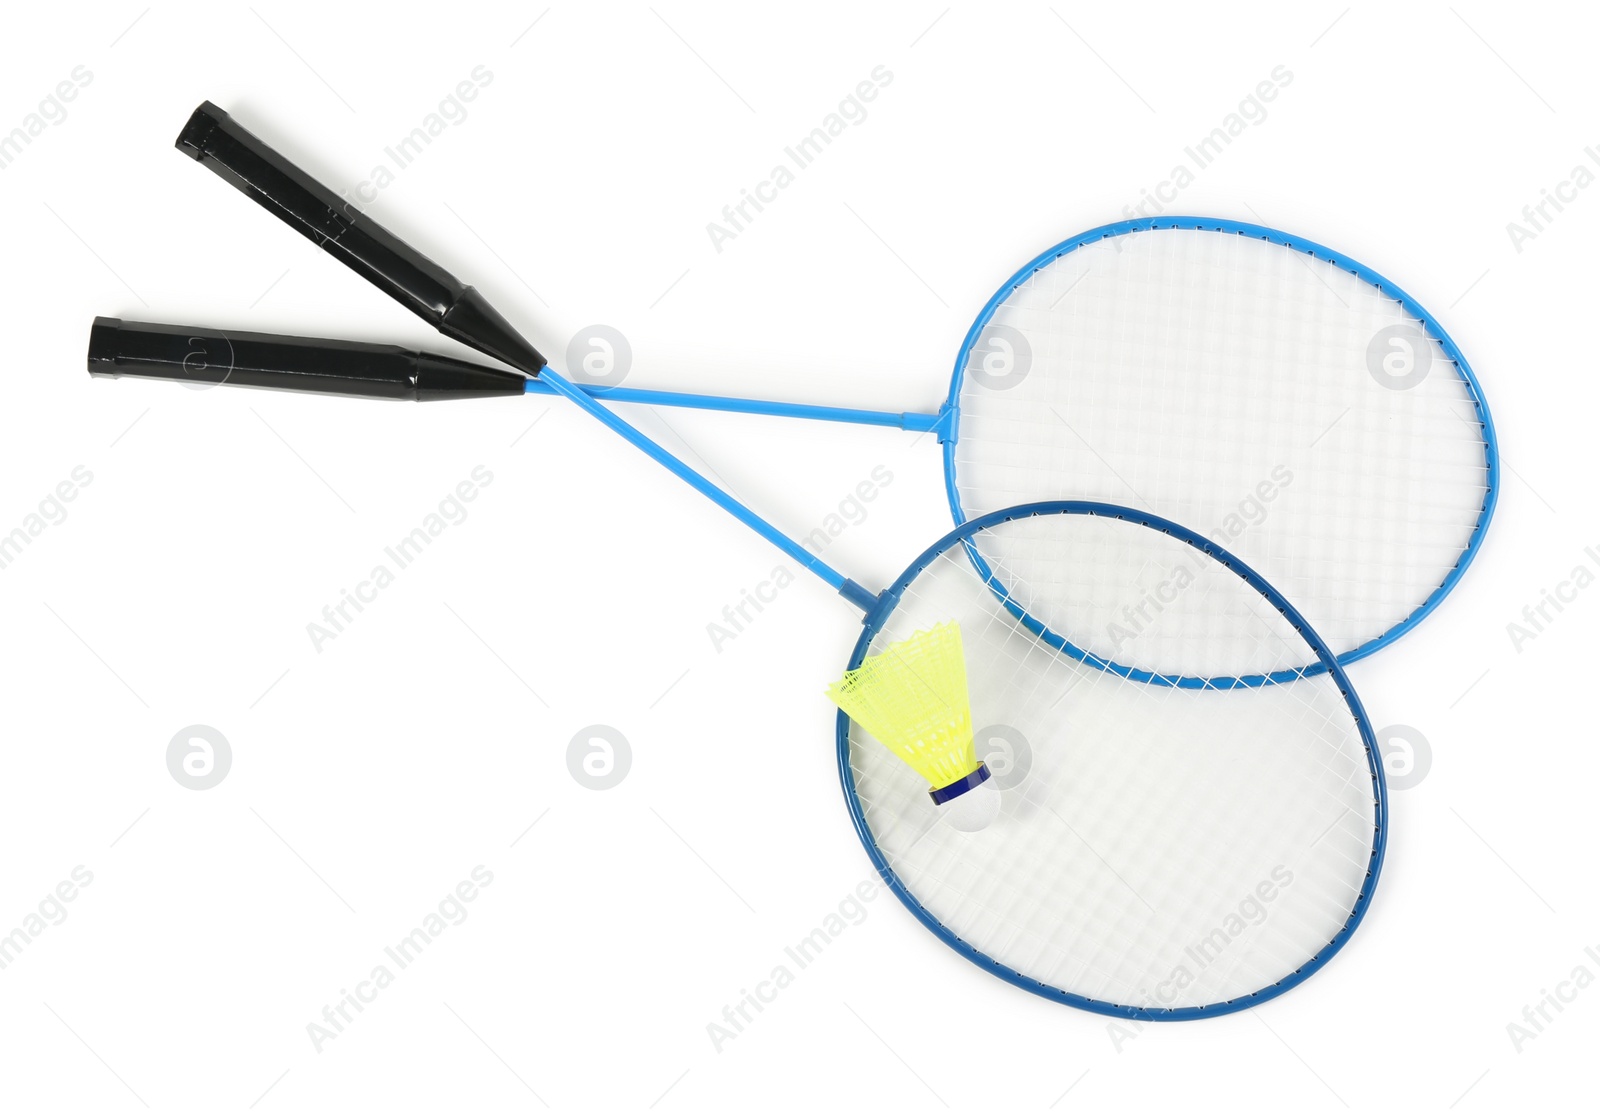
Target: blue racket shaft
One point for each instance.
(202, 354)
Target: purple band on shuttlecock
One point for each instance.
(941, 795)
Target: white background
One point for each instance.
(369, 778)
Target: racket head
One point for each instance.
(1164, 333)
(1100, 912)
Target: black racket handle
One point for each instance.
(215, 140)
(269, 360)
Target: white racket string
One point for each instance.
(1275, 402)
(1160, 848)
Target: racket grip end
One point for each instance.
(338, 226)
(201, 123)
(205, 358)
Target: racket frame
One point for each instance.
(952, 405)
(1326, 663)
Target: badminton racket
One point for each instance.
(1280, 397)
(1171, 850)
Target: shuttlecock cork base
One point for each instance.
(913, 697)
(970, 803)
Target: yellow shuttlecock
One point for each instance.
(913, 697)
